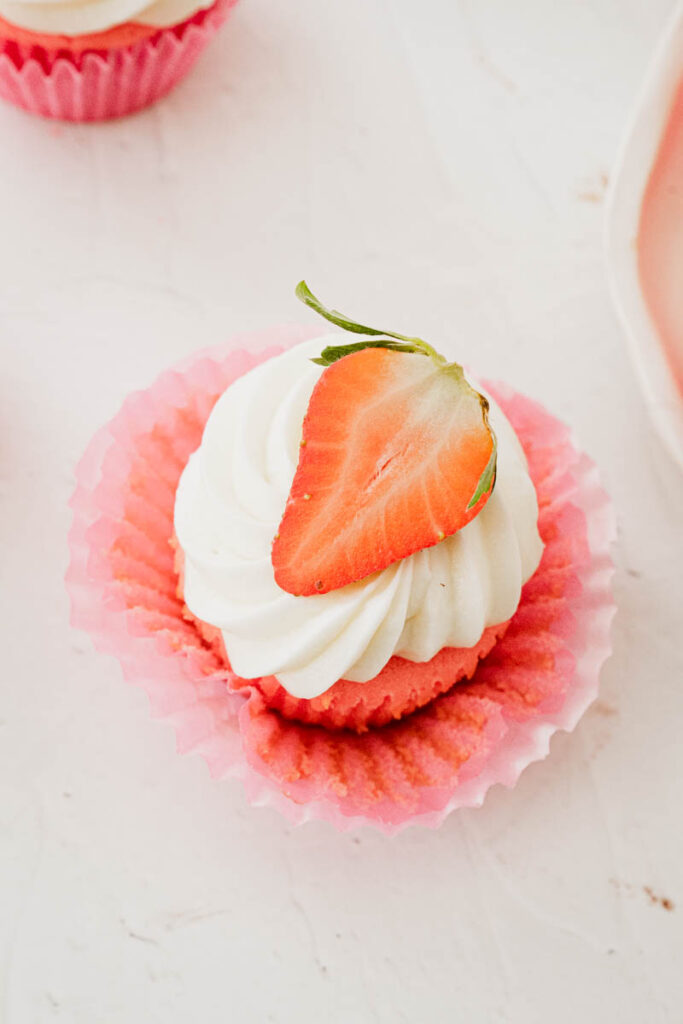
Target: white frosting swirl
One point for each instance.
(229, 504)
(57, 17)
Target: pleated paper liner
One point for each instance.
(101, 84)
(539, 678)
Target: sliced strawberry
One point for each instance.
(396, 455)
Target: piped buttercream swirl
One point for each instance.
(230, 501)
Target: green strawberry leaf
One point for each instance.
(304, 293)
(332, 353)
(487, 480)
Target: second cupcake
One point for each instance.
(102, 58)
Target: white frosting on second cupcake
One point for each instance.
(55, 17)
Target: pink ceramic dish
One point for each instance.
(644, 238)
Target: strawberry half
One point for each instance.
(396, 454)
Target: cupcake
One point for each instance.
(355, 529)
(102, 58)
(363, 582)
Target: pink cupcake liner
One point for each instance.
(100, 84)
(539, 678)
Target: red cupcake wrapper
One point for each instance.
(101, 84)
(539, 678)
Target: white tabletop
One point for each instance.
(440, 167)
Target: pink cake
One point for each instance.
(399, 689)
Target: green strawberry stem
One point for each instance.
(400, 343)
(330, 355)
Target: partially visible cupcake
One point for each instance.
(402, 519)
(100, 59)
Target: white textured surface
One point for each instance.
(439, 166)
